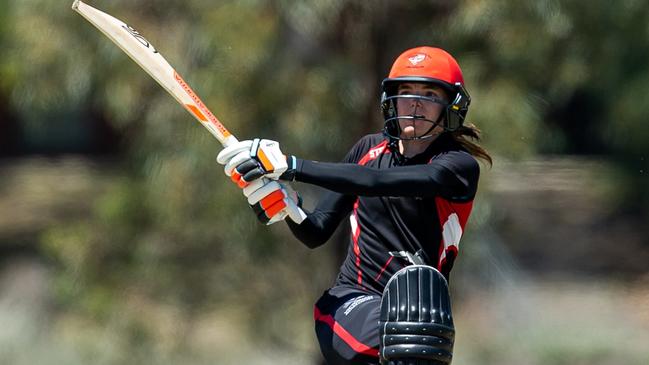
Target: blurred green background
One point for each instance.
(122, 242)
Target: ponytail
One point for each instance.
(473, 133)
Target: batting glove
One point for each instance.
(249, 160)
(273, 201)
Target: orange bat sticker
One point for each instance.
(201, 107)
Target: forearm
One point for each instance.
(320, 224)
(311, 232)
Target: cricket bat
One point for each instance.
(146, 55)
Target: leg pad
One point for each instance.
(416, 325)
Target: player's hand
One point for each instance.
(273, 201)
(248, 160)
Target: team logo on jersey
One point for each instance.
(417, 58)
(376, 152)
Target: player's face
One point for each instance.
(423, 111)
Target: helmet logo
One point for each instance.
(417, 58)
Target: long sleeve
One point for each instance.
(454, 176)
(331, 209)
(320, 224)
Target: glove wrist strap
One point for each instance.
(289, 174)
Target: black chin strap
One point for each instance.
(393, 145)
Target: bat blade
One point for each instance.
(146, 55)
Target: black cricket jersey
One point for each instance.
(393, 204)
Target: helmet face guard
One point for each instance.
(451, 118)
(392, 126)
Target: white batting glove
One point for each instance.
(246, 161)
(273, 201)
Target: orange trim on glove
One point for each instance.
(238, 179)
(268, 166)
(271, 199)
(235, 177)
(275, 208)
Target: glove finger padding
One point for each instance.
(227, 153)
(263, 191)
(250, 171)
(246, 172)
(235, 161)
(273, 201)
(254, 186)
(266, 213)
(267, 202)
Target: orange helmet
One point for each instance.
(426, 65)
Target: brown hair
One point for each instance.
(473, 133)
